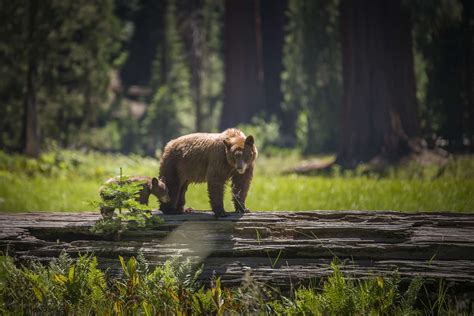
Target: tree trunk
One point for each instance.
(273, 22)
(90, 112)
(282, 248)
(243, 87)
(379, 113)
(194, 38)
(30, 126)
(468, 70)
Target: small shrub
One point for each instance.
(122, 195)
(107, 226)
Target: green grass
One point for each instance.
(67, 181)
(295, 193)
(63, 181)
(20, 193)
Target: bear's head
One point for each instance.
(241, 152)
(160, 189)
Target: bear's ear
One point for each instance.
(154, 182)
(227, 143)
(249, 140)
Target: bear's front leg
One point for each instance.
(215, 188)
(240, 188)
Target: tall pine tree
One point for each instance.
(170, 111)
(57, 57)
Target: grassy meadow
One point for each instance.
(69, 181)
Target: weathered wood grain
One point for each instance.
(279, 247)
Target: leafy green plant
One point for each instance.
(123, 195)
(63, 287)
(78, 287)
(107, 226)
(167, 289)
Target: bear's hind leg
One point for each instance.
(182, 197)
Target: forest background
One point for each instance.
(354, 105)
(360, 81)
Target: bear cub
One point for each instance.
(213, 158)
(154, 186)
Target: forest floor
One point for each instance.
(69, 181)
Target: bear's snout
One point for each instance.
(241, 167)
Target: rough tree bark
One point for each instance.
(243, 87)
(379, 115)
(282, 248)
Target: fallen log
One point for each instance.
(279, 247)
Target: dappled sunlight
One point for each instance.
(193, 240)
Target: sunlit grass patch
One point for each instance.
(296, 193)
(68, 180)
(20, 193)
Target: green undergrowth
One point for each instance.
(79, 287)
(121, 209)
(69, 180)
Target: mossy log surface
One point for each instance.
(280, 247)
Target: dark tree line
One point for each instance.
(55, 59)
(445, 39)
(361, 78)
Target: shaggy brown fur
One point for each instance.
(150, 186)
(212, 158)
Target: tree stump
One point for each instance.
(283, 248)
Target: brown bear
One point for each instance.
(211, 158)
(154, 186)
